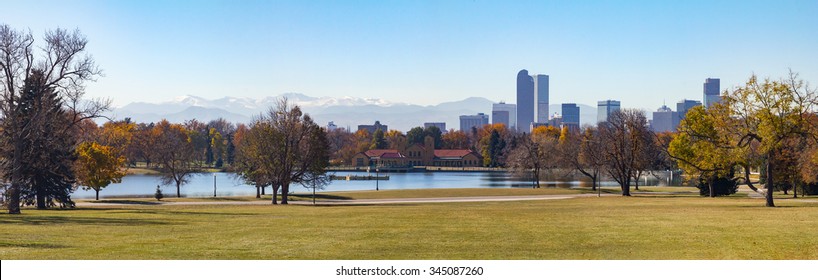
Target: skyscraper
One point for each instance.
(505, 114)
(684, 105)
(439, 125)
(570, 115)
(664, 119)
(469, 121)
(541, 97)
(525, 101)
(711, 91)
(605, 108)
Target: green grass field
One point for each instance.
(651, 226)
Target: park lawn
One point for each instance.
(613, 227)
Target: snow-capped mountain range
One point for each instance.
(344, 111)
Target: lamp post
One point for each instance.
(377, 174)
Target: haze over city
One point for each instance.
(643, 53)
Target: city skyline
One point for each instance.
(427, 52)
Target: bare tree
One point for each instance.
(65, 67)
(624, 135)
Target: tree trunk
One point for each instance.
(16, 178)
(769, 183)
(97, 191)
(711, 186)
(178, 189)
(626, 187)
(263, 190)
(285, 189)
(258, 191)
(636, 181)
(275, 194)
(794, 191)
(40, 200)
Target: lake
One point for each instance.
(228, 185)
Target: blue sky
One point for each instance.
(643, 53)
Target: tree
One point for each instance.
(378, 140)
(396, 140)
(255, 149)
(770, 113)
(534, 153)
(64, 68)
(416, 135)
(625, 136)
(455, 139)
(492, 152)
(299, 152)
(581, 151)
(98, 166)
(175, 154)
(436, 134)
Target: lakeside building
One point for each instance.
(711, 91)
(418, 155)
(374, 127)
(467, 122)
(505, 114)
(439, 125)
(605, 108)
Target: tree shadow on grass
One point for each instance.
(126, 202)
(59, 220)
(33, 245)
(321, 196)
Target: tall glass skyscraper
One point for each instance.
(711, 91)
(525, 101)
(683, 106)
(541, 89)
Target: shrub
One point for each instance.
(158, 195)
(721, 186)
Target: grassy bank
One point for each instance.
(646, 227)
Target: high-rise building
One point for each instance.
(711, 91)
(605, 108)
(331, 126)
(541, 97)
(570, 115)
(684, 105)
(664, 119)
(505, 114)
(525, 101)
(469, 121)
(374, 127)
(439, 125)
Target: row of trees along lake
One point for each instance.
(51, 145)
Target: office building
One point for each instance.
(570, 115)
(467, 122)
(525, 101)
(439, 125)
(665, 119)
(372, 128)
(605, 108)
(505, 114)
(683, 106)
(711, 91)
(541, 97)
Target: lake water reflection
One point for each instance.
(227, 185)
